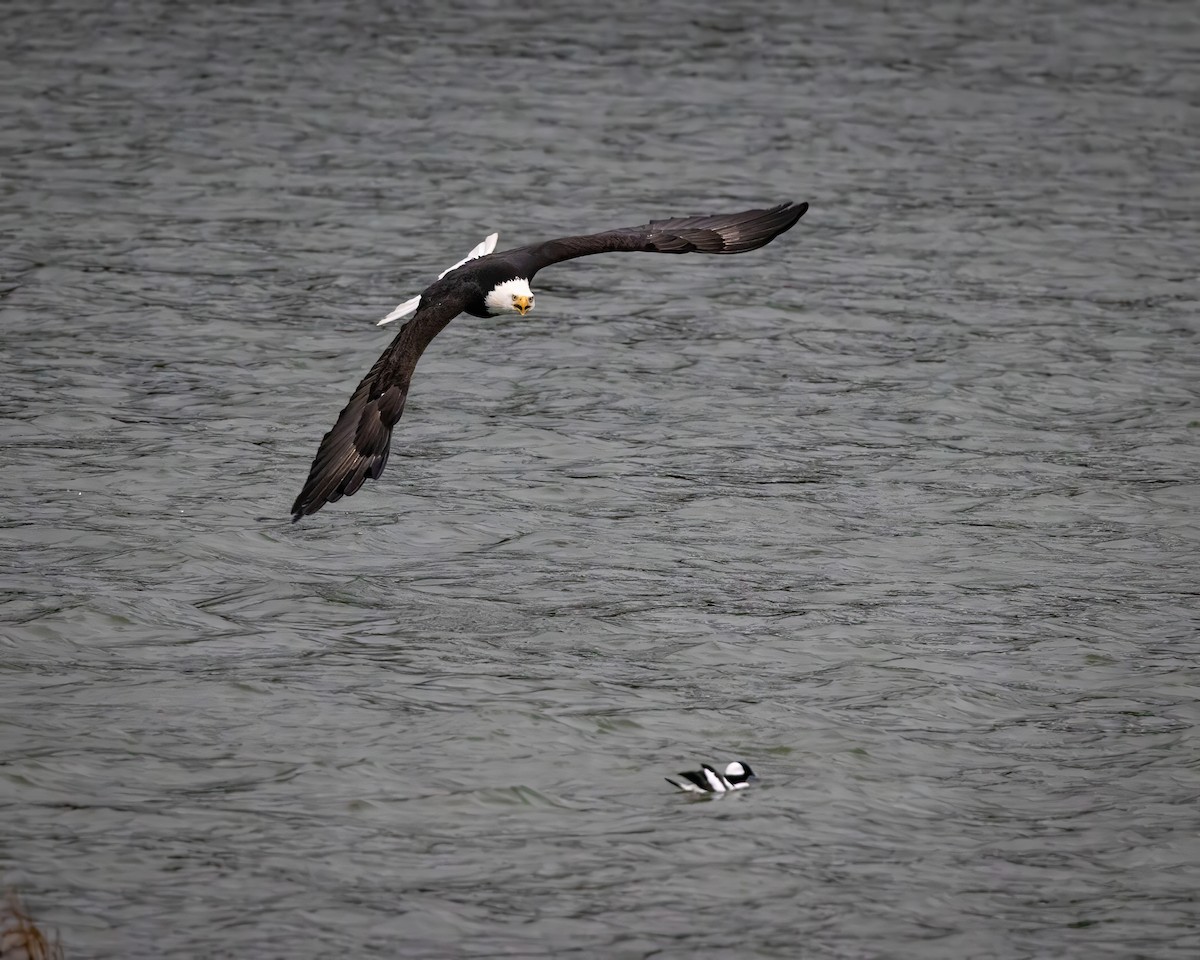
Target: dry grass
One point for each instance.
(20, 938)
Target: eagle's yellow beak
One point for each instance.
(522, 304)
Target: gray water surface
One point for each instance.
(902, 510)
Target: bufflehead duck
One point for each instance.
(737, 776)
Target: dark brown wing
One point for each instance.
(710, 233)
(356, 449)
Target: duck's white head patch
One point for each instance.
(511, 296)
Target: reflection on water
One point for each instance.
(900, 510)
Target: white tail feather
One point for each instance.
(407, 307)
(483, 248)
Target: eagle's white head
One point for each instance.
(511, 296)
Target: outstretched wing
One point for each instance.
(710, 233)
(356, 449)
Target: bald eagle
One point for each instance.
(488, 284)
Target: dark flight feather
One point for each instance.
(356, 449)
(718, 234)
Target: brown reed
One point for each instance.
(20, 938)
